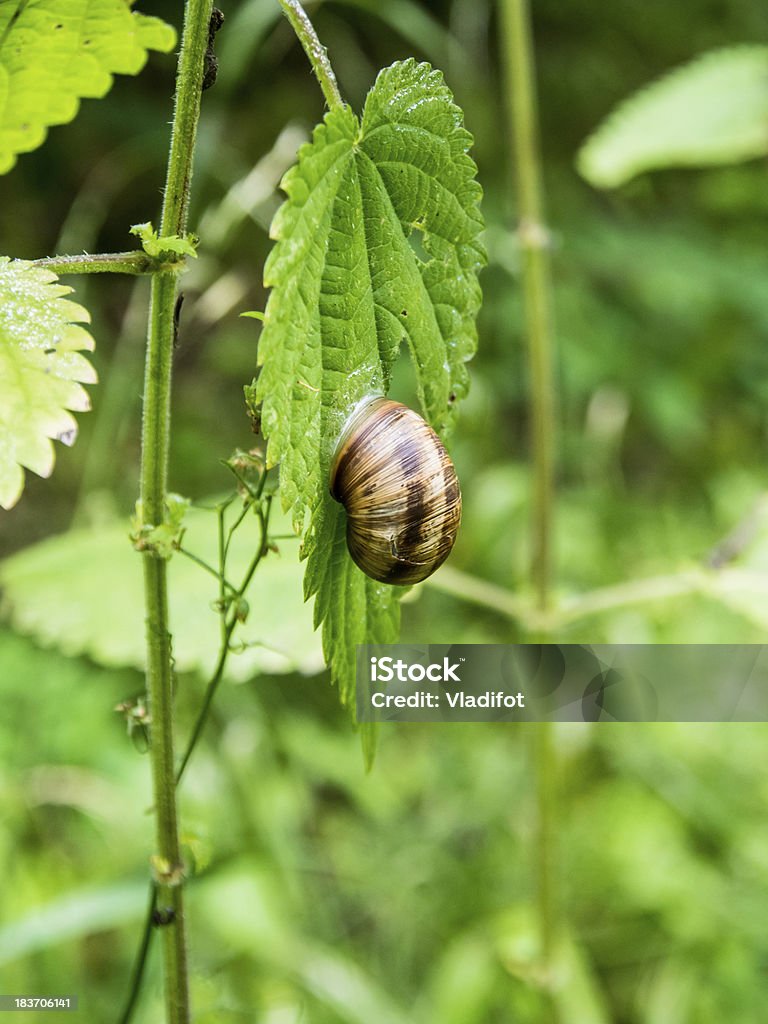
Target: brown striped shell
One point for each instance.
(397, 483)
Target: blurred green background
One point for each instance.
(322, 894)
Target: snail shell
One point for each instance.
(397, 483)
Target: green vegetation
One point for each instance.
(319, 892)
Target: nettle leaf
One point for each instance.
(53, 53)
(41, 371)
(711, 111)
(377, 244)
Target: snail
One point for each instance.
(397, 483)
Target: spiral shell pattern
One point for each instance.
(397, 483)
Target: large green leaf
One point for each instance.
(711, 111)
(55, 52)
(377, 245)
(82, 592)
(41, 371)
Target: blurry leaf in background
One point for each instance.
(55, 52)
(41, 372)
(72, 916)
(711, 111)
(82, 593)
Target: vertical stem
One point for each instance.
(154, 473)
(544, 762)
(517, 45)
(189, 87)
(534, 243)
(168, 867)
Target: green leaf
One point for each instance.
(41, 371)
(72, 916)
(164, 246)
(57, 592)
(165, 538)
(377, 244)
(711, 111)
(53, 53)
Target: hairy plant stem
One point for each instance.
(100, 263)
(534, 242)
(229, 621)
(314, 49)
(155, 439)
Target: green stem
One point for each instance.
(154, 472)
(546, 837)
(186, 114)
(696, 581)
(100, 263)
(228, 628)
(141, 958)
(536, 280)
(223, 584)
(314, 49)
(474, 590)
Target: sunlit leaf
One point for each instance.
(41, 372)
(53, 53)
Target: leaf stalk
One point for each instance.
(314, 49)
(135, 263)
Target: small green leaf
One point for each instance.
(711, 111)
(164, 247)
(53, 53)
(41, 372)
(377, 245)
(164, 538)
(255, 314)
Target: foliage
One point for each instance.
(163, 247)
(56, 592)
(347, 290)
(54, 52)
(417, 880)
(41, 372)
(711, 111)
(331, 890)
